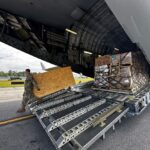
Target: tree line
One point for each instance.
(11, 73)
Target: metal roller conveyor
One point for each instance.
(84, 125)
(46, 98)
(55, 102)
(49, 99)
(99, 94)
(49, 112)
(69, 117)
(54, 94)
(70, 93)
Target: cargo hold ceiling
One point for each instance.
(55, 13)
(38, 28)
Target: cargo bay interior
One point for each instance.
(74, 33)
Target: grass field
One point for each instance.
(6, 83)
(82, 80)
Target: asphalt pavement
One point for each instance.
(132, 134)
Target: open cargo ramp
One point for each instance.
(75, 116)
(75, 120)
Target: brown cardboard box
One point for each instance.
(103, 60)
(126, 58)
(123, 59)
(123, 71)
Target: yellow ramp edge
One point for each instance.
(53, 81)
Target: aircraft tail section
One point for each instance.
(43, 67)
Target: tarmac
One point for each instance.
(132, 134)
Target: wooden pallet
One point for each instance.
(53, 81)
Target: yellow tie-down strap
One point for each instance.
(102, 118)
(53, 81)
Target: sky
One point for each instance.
(16, 60)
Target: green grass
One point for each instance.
(82, 80)
(6, 83)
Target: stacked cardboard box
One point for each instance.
(126, 71)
